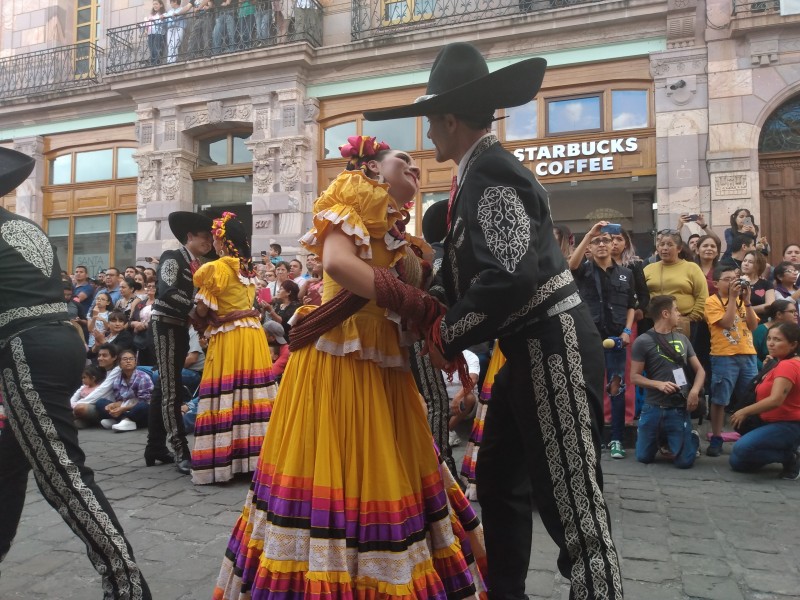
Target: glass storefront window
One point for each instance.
(521, 122)
(61, 169)
(94, 166)
(125, 240)
(400, 134)
(574, 114)
(780, 133)
(58, 232)
(428, 198)
(91, 242)
(629, 109)
(241, 154)
(126, 166)
(337, 136)
(224, 191)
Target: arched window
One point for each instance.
(781, 132)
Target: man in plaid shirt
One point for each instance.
(131, 397)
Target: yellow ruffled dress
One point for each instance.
(348, 500)
(237, 389)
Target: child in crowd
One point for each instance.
(92, 377)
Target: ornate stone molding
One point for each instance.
(215, 113)
(730, 185)
(146, 186)
(263, 179)
(679, 66)
(310, 110)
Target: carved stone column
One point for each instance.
(164, 186)
(30, 200)
(283, 168)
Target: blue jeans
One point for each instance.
(137, 414)
(224, 25)
(731, 374)
(616, 359)
(676, 425)
(190, 416)
(770, 443)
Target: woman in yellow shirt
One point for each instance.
(674, 276)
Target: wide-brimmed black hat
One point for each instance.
(460, 83)
(14, 169)
(183, 222)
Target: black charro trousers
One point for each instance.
(40, 370)
(541, 450)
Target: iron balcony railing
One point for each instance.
(374, 18)
(212, 32)
(51, 70)
(757, 7)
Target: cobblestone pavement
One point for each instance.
(703, 533)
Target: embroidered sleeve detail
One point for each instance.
(31, 243)
(505, 225)
(169, 272)
(460, 327)
(556, 282)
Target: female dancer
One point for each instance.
(236, 390)
(348, 499)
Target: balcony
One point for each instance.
(753, 15)
(759, 7)
(375, 18)
(209, 33)
(47, 71)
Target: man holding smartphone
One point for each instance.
(608, 289)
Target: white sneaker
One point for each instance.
(454, 439)
(125, 425)
(108, 423)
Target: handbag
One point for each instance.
(702, 407)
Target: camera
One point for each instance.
(744, 283)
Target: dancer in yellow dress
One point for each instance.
(348, 500)
(237, 389)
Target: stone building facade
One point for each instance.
(709, 72)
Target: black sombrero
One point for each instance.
(14, 169)
(183, 222)
(460, 83)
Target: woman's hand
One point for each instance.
(751, 229)
(99, 337)
(701, 221)
(738, 418)
(115, 409)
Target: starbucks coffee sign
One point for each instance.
(576, 157)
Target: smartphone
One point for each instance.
(263, 253)
(692, 218)
(612, 228)
(748, 221)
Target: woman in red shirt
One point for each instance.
(778, 405)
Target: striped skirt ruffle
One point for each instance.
(236, 395)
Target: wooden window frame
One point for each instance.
(112, 236)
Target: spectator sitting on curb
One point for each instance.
(84, 408)
(731, 320)
(669, 399)
(192, 374)
(131, 394)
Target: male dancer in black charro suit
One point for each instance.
(504, 276)
(41, 360)
(170, 323)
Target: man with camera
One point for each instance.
(731, 320)
(664, 353)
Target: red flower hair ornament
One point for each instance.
(361, 148)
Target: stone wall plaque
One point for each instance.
(730, 185)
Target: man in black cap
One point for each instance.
(41, 434)
(503, 276)
(170, 323)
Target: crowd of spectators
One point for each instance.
(719, 313)
(718, 302)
